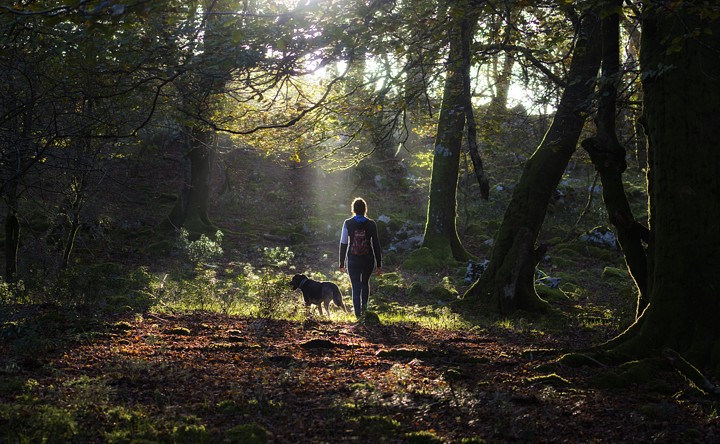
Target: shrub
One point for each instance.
(105, 282)
(208, 287)
(11, 292)
(248, 434)
(39, 423)
(270, 291)
(201, 250)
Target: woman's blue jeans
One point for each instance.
(360, 268)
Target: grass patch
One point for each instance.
(36, 423)
(377, 427)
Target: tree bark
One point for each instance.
(680, 62)
(608, 156)
(508, 283)
(639, 146)
(201, 97)
(473, 149)
(191, 208)
(12, 244)
(503, 79)
(441, 234)
(16, 159)
(71, 213)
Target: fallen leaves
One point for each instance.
(316, 383)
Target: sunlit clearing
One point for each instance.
(425, 316)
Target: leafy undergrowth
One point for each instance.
(205, 377)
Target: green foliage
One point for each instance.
(421, 260)
(270, 291)
(191, 434)
(33, 339)
(130, 425)
(247, 434)
(179, 331)
(613, 273)
(423, 437)
(278, 257)
(11, 292)
(552, 379)
(101, 283)
(551, 295)
(201, 291)
(376, 427)
(608, 256)
(445, 290)
(36, 423)
(266, 287)
(242, 288)
(201, 250)
(442, 317)
(389, 284)
(9, 385)
(122, 326)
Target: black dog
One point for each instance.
(318, 293)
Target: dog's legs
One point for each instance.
(319, 305)
(337, 298)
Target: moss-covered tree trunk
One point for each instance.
(191, 207)
(680, 64)
(508, 284)
(201, 92)
(441, 235)
(12, 241)
(608, 156)
(73, 211)
(10, 193)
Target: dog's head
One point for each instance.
(296, 281)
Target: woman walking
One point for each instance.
(359, 244)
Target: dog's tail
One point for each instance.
(337, 298)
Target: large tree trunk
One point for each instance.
(680, 62)
(508, 284)
(11, 194)
(201, 97)
(440, 228)
(503, 79)
(472, 139)
(12, 244)
(191, 208)
(608, 156)
(631, 111)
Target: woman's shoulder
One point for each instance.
(372, 223)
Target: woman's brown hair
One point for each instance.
(359, 206)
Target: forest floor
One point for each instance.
(185, 376)
(206, 377)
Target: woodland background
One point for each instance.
(544, 176)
